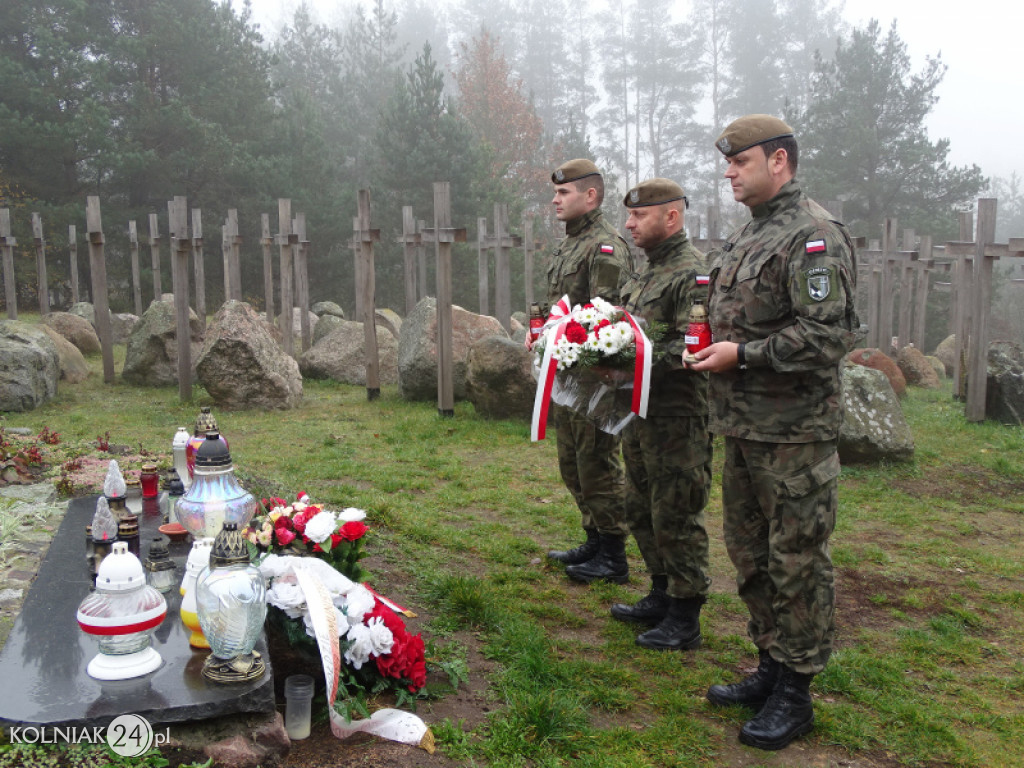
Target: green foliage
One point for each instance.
(863, 139)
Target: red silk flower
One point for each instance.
(352, 530)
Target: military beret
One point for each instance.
(574, 169)
(653, 192)
(749, 131)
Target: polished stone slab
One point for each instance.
(42, 665)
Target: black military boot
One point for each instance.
(650, 609)
(679, 630)
(788, 713)
(608, 564)
(752, 691)
(579, 554)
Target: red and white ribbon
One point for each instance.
(549, 367)
(393, 724)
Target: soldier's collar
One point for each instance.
(574, 226)
(786, 196)
(666, 246)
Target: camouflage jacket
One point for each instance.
(664, 294)
(591, 260)
(785, 284)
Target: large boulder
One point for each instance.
(29, 366)
(390, 320)
(874, 358)
(325, 325)
(417, 349)
(73, 367)
(916, 369)
(1004, 392)
(341, 354)
(84, 309)
(75, 329)
(499, 381)
(937, 366)
(297, 323)
(323, 309)
(121, 326)
(874, 428)
(241, 366)
(946, 352)
(151, 357)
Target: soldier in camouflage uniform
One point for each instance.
(592, 260)
(781, 309)
(668, 454)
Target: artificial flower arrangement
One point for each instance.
(378, 652)
(595, 359)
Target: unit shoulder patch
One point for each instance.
(817, 284)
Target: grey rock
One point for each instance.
(151, 357)
(1004, 393)
(417, 349)
(84, 309)
(297, 323)
(325, 325)
(241, 366)
(121, 326)
(29, 366)
(37, 493)
(73, 367)
(874, 428)
(499, 381)
(937, 366)
(946, 352)
(341, 355)
(324, 309)
(75, 329)
(916, 369)
(389, 319)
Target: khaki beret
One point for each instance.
(574, 169)
(653, 192)
(749, 131)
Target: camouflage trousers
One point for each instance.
(779, 509)
(668, 475)
(589, 462)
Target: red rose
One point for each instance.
(316, 547)
(352, 530)
(575, 332)
(301, 518)
(284, 536)
(283, 521)
(336, 539)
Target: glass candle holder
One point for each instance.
(298, 695)
(159, 566)
(149, 479)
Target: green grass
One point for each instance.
(927, 671)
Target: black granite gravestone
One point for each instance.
(42, 665)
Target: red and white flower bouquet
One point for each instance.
(595, 359)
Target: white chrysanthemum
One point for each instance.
(606, 308)
(358, 602)
(361, 647)
(321, 526)
(351, 515)
(588, 316)
(381, 638)
(625, 330)
(593, 343)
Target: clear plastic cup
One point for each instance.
(298, 695)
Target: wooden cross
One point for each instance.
(362, 237)
(98, 269)
(7, 243)
(181, 247)
(501, 241)
(73, 261)
(411, 242)
(154, 251)
(530, 245)
(366, 288)
(285, 240)
(442, 234)
(133, 245)
(199, 265)
(43, 281)
(300, 257)
(268, 265)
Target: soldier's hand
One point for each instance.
(720, 356)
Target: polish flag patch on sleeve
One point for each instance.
(703, 279)
(611, 249)
(815, 246)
